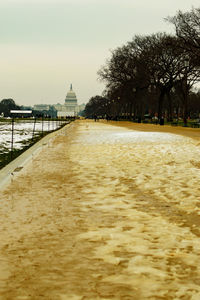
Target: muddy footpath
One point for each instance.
(106, 210)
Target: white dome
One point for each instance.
(71, 96)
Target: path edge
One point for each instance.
(23, 159)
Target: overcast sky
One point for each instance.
(45, 45)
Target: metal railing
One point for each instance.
(18, 134)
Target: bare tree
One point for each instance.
(98, 106)
(125, 72)
(187, 26)
(155, 65)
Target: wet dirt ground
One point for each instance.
(104, 212)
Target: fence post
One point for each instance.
(48, 123)
(34, 128)
(42, 124)
(12, 137)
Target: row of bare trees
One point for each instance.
(153, 74)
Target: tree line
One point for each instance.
(153, 74)
(6, 105)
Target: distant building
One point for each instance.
(44, 110)
(81, 107)
(41, 107)
(25, 107)
(71, 101)
(70, 108)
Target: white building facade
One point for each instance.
(70, 108)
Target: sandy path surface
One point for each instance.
(104, 212)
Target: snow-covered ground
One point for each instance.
(23, 131)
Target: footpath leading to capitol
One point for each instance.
(96, 214)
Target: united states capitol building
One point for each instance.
(70, 108)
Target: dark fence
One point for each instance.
(17, 135)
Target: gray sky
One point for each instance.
(45, 45)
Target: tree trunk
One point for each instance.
(170, 106)
(130, 110)
(185, 109)
(160, 103)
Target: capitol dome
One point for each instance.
(71, 97)
(70, 107)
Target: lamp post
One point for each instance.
(114, 108)
(185, 91)
(134, 107)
